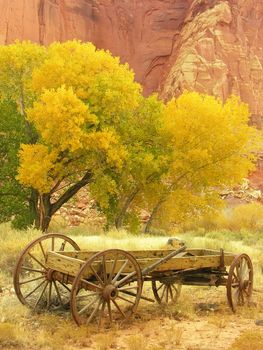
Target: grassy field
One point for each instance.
(166, 327)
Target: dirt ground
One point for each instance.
(200, 320)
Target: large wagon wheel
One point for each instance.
(33, 282)
(107, 288)
(166, 291)
(240, 281)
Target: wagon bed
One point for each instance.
(52, 272)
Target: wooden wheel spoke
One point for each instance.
(162, 284)
(235, 276)
(235, 285)
(62, 247)
(52, 244)
(58, 293)
(34, 258)
(166, 297)
(241, 297)
(236, 294)
(102, 312)
(109, 310)
(119, 272)
(163, 292)
(135, 295)
(128, 293)
(246, 292)
(96, 275)
(171, 293)
(128, 288)
(113, 268)
(49, 295)
(31, 270)
(125, 279)
(32, 280)
(42, 249)
(34, 290)
(41, 295)
(86, 307)
(175, 289)
(122, 298)
(92, 285)
(65, 286)
(104, 269)
(94, 311)
(118, 308)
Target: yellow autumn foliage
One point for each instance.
(17, 62)
(81, 94)
(61, 118)
(213, 144)
(94, 75)
(37, 166)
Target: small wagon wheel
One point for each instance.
(33, 282)
(107, 288)
(165, 292)
(240, 281)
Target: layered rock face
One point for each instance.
(211, 46)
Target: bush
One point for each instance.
(248, 217)
(243, 218)
(250, 340)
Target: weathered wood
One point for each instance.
(142, 254)
(71, 266)
(154, 266)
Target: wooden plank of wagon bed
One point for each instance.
(71, 266)
(142, 254)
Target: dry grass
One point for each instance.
(250, 340)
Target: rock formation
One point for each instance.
(211, 46)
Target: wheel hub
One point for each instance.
(49, 275)
(110, 292)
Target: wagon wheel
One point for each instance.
(107, 288)
(33, 282)
(165, 292)
(240, 281)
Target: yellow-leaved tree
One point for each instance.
(78, 95)
(213, 146)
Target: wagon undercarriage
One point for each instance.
(52, 272)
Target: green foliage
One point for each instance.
(14, 203)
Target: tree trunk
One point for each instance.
(44, 212)
(33, 207)
(121, 215)
(46, 209)
(152, 216)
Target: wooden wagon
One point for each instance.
(52, 272)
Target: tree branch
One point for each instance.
(70, 192)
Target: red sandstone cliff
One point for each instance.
(212, 46)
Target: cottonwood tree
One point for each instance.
(146, 161)
(213, 146)
(82, 94)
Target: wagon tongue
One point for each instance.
(152, 267)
